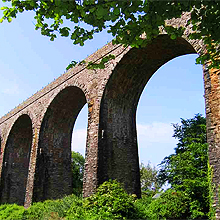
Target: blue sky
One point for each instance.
(29, 61)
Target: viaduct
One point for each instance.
(35, 137)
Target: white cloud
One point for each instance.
(156, 132)
(155, 142)
(79, 140)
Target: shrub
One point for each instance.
(11, 212)
(170, 205)
(76, 209)
(109, 202)
(50, 209)
(141, 206)
(40, 210)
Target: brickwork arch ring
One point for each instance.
(14, 120)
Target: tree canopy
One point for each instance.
(126, 20)
(187, 170)
(77, 164)
(149, 181)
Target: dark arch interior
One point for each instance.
(53, 176)
(118, 152)
(16, 162)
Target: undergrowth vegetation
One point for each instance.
(109, 202)
(190, 195)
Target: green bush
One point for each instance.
(109, 202)
(170, 205)
(76, 209)
(11, 212)
(142, 204)
(63, 205)
(50, 209)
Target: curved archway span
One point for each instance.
(53, 176)
(118, 152)
(16, 162)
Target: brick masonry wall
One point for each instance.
(112, 95)
(212, 98)
(65, 96)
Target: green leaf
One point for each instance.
(9, 19)
(100, 12)
(116, 11)
(3, 8)
(173, 36)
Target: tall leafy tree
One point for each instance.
(77, 163)
(187, 169)
(125, 20)
(149, 181)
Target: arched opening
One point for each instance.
(53, 175)
(80, 132)
(118, 152)
(78, 148)
(16, 162)
(175, 91)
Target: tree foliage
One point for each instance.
(149, 181)
(187, 169)
(125, 20)
(170, 205)
(111, 201)
(77, 169)
(190, 131)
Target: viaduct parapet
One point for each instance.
(35, 137)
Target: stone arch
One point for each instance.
(118, 152)
(53, 176)
(16, 161)
(11, 124)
